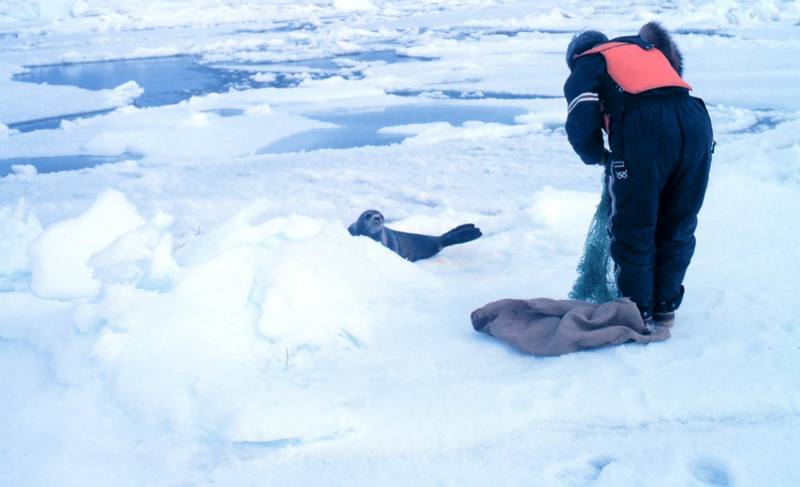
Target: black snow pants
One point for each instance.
(656, 194)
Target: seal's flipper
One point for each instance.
(410, 246)
(461, 234)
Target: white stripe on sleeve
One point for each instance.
(581, 98)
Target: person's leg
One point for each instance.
(632, 184)
(651, 143)
(681, 199)
(632, 229)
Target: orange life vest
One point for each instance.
(636, 69)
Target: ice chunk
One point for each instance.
(20, 227)
(56, 9)
(143, 256)
(264, 77)
(59, 258)
(123, 94)
(24, 169)
(352, 5)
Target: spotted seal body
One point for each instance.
(410, 246)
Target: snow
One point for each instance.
(59, 257)
(202, 316)
(24, 169)
(351, 5)
(20, 228)
(27, 101)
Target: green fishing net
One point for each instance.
(595, 282)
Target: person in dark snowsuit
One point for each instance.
(657, 170)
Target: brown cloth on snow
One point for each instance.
(552, 327)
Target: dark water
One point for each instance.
(63, 163)
(170, 80)
(228, 112)
(705, 32)
(344, 65)
(53, 122)
(406, 114)
(465, 33)
(472, 95)
(166, 80)
(358, 129)
(279, 27)
(332, 138)
(763, 123)
(388, 56)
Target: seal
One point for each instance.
(410, 246)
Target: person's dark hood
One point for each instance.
(653, 33)
(582, 42)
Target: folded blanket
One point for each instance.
(550, 327)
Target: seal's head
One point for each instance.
(369, 224)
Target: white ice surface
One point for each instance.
(28, 101)
(202, 317)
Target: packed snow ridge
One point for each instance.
(194, 312)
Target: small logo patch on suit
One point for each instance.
(619, 169)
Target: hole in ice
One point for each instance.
(389, 56)
(344, 65)
(464, 33)
(62, 163)
(473, 95)
(358, 129)
(53, 122)
(763, 123)
(166, 80)
(278, 27)
(227, 112)
(705, 32)
(332, 138)
(407, 114)
(169, 80)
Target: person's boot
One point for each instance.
(664, 313)
(666, 318)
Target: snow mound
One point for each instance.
(20, 227)
(333, 286)
(42, 10)
(189, 340)
(142, 256)
(564, 214)
(59, 258)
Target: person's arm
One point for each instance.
(584, 115)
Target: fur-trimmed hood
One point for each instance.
(653, 33)
(582, 42)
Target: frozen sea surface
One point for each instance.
(358, 129)
(50, 164)
(172, 79)
(197, 313)
(165, 80)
